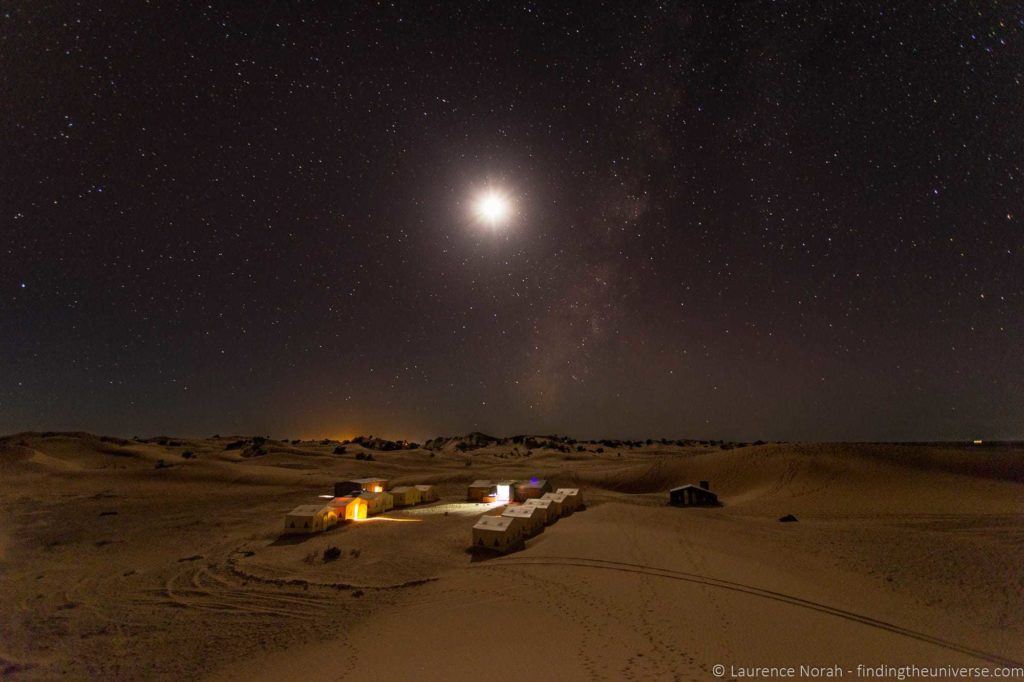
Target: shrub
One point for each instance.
(188, 454)
(340, 450)
(332, 554)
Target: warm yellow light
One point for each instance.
(493, 208)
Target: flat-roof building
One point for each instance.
(535, 487)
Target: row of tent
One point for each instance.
(508, 531)
(355, 500)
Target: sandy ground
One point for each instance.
(113, 568)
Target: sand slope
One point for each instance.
(119, 569)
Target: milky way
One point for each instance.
(778, 221)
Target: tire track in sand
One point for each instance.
(670, 574)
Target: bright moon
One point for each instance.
(493, 208)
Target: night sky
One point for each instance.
(730, 220)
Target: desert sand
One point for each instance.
(112, 567)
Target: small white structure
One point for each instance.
(309, 518)
(530, 518)
(558, 508)
(378, 503)
(428, 493)
(405, 496)
(573, 497)
(547, 514)
(495, 533)
(503, 490)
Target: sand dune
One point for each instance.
(122, 566)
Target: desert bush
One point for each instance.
(340, 450)
(188, 454)
(160, 464)
(332, 554)
(354, 553)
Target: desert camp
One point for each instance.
(255, 566)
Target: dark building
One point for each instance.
(347, 488)
(535, 487)
(692, 496)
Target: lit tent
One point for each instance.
(349, 508)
